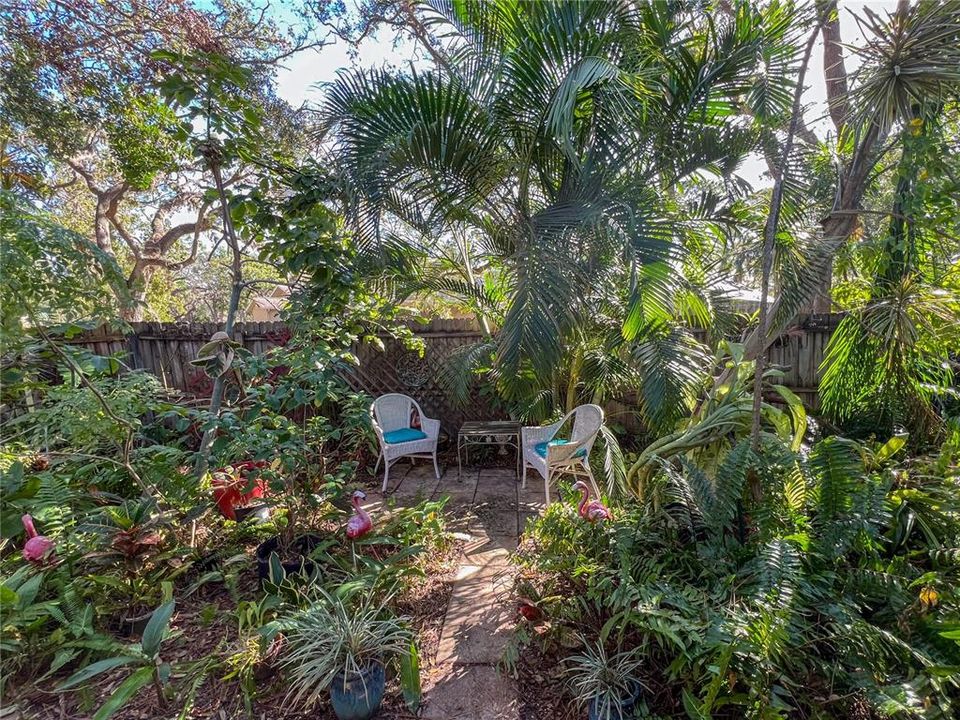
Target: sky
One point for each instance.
(300, 80)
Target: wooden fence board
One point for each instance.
(166, 349)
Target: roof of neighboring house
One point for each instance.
(275, 299)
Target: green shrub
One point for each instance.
(837, 587)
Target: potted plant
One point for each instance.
(343, 648)
(606, 684)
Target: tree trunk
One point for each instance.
(216, 398)
(769, 240)
(835, 77)
(137, 284)
(834, 68)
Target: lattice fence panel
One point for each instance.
(398, 369)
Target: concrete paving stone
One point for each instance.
(480, 616)
(533, 492)
(493, 488)
(529, 504)
(494, 521)
(463, 685)
(470, 693)
(504, 474)
(450, 485)
(460, 520)
(485, 549)
(495, 502)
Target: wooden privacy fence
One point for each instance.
(166, 349)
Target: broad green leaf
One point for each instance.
(798, 414)
(94, 669)
(156, 628)
(127, 689)
(277, 573)
(27, 592)
(692, 706)
(890, 448)
(8, 598)
(410, 678)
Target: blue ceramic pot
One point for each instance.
(358, 697)
(617, 712)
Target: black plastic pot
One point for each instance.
(302, 547)
(358, 697)
(134, 625)
(259, 513)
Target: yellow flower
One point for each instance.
(922, 175)
(929, 597)
(916, 122)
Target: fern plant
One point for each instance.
(831, 592)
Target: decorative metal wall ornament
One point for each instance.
(412, 370)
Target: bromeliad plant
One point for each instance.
(137, 555)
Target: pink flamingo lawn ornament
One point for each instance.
(360, 522)
(38, 549)
(591, 510)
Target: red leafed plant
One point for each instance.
(232, 487)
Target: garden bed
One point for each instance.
(203, 631)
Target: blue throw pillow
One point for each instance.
(541, 448)
(404, 435)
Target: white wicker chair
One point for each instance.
(391, 421)
(552, 457)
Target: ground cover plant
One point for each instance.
(570, 174)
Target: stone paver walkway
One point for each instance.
(490, 507)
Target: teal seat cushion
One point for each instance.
(404, 435)
(541, 448)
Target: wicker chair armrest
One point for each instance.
(539, 433)
(430, 426)
(567, 451)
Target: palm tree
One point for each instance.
(573, 144)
